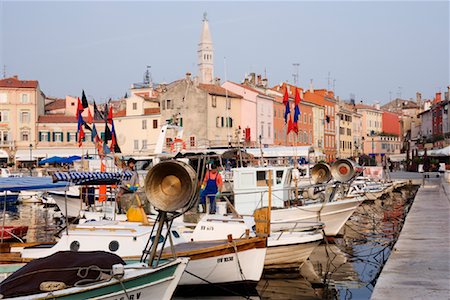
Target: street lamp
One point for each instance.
(31, 159)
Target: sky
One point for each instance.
(372, 49)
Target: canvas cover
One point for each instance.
(64, 266)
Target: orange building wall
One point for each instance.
(390, 123)
(321, 97)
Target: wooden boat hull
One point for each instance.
(145, 283)
(13, 232)
(332, 214)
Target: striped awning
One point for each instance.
(92, 178)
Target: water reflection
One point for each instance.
(40, 221)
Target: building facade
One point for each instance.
(21, 103)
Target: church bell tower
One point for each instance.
(205, 54)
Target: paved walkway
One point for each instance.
(419, 265)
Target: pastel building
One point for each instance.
(21, 102)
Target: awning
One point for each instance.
(397, 157)
(300, 151)
(24, 154)
(3, 154)
(17, 184)
(59, 160)
(92, 178)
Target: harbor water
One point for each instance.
(344, 267)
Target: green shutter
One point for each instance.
(53, 136)
(76, 137)
(40, 136)
(181, 122)
(48, 136)
(68, 136)
(62, 136)
(102, 135)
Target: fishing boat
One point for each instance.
(251, 191)
(92, 275)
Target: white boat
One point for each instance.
(27, 197)
(333, 214)
(133, 281)
(251, 192)
(371, 189)
(222, 262)
(285, 249)
(125, 239)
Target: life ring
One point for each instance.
(177, 141)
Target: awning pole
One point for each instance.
(67, 217)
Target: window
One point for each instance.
(72, 136)
(136, 144)
(155, 124)
(262, 130)
(228, 103)
(4, 116)
(169, 104)
(57, 137)
(222, 123)
(214, 101)
(192, 141)
(163, 105)
(168, 142)
(310, 119)
(218, 122)
(24, 98)
(269, 125)
(144, 144)
(349, 131)
(279, 176)
(305, 118)
(134, 106)
(4, 136)
(24, 136)
(144, 124)
(3, 97)
(44, 136)
(24, 117)
(262, 178)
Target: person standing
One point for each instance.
(212, 187)
(128, 186)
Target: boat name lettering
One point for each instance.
(207, 228)
(225, 259)
(130, 297)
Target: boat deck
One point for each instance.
(419, 265)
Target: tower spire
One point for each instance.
(205, 54)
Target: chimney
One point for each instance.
(188, 76)
(252, 78)
(217, 81)
(258, 80)
(311, 89)
(264, 82)
(16, 77)
(447, 94)
(377, 105)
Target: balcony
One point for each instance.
(6, 144)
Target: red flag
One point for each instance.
(297, 96)
(80, 136)
(80, 108)
(295, 127)
(110, 115)
(290, 124)
(286, 96)
(90, 119)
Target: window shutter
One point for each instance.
(68, 136)
(181, 122)
(40, 136)
(62, 136)
(54, 136)
(48, 136)
(76, 137)
(222, 122)
(102, 135)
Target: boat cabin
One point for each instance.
(250, 186)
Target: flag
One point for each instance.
(84, 100)
(98, 115)
(286, 96)
(90, 120)
(295, 127)
(94, 137)
(110, 115)
(296, 108)
(106, 149)
(108, 135)
(86, 126)
(290, 125)
(80, 108)
(80, 137)
(287, 110)
(113, 138)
